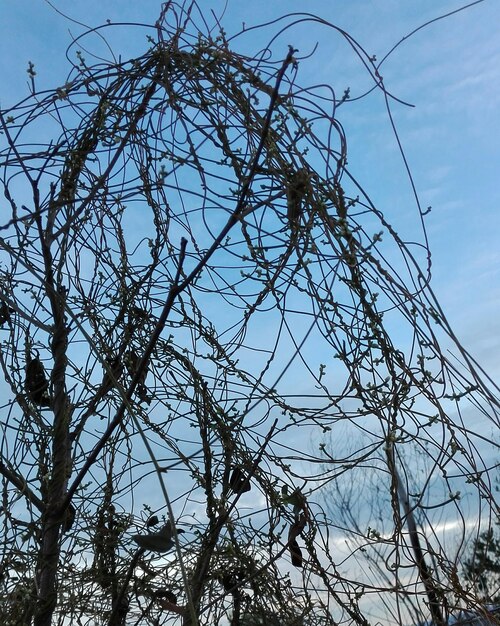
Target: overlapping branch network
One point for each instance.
(199, 177)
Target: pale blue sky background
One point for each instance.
(449, 70)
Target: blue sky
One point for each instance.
(449, 71)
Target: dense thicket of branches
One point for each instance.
(193, 286)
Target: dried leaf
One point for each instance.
(162, 541)
(132, 361)
(36, 383)
(108, 381)
(69, 518)
(152, 521)
(166, 594)
(295, 553)
(238, 481)
(5, 312)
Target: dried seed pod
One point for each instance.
(36, 383)
(297, 189)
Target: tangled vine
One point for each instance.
(193, 287)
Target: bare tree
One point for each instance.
(425, 548)
(183, 250)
